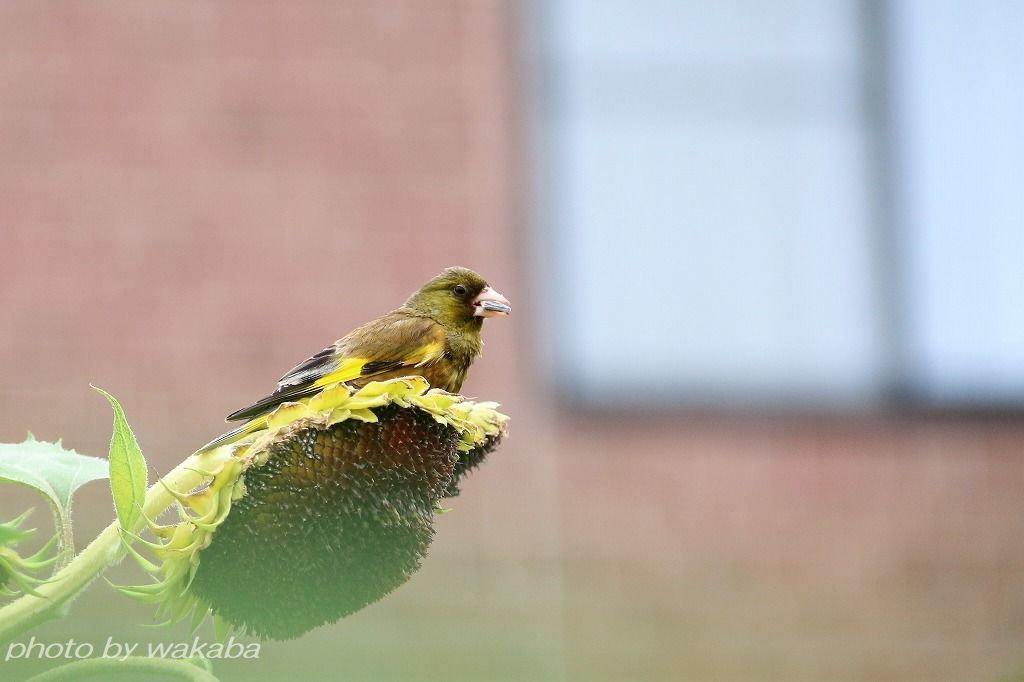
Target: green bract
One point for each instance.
(326, 511)
(16, 571)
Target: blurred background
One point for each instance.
(766, 363)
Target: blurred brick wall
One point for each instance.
(194, 196)
(814, 549)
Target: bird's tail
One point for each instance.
(235, 435)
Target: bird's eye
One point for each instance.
(459, 290)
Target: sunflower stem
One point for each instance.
(53, 596)
(137, 667)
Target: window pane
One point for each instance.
(708, 186)
(958, 91)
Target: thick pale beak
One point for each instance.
(490, 304)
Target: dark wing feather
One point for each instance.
(317, 364)
(283, 394)
(379, 366)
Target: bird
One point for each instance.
(435, 334)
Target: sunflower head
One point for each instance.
(329, 510)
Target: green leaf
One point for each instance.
(54, 472)
(127, 468)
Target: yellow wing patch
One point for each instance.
(353, 368)
(349, 369)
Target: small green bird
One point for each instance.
(435, 335)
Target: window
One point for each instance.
(732, 220)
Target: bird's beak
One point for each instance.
(490, 304)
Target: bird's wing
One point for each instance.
(391, 342)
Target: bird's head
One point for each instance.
(459, 297)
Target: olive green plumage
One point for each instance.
(434, 334)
